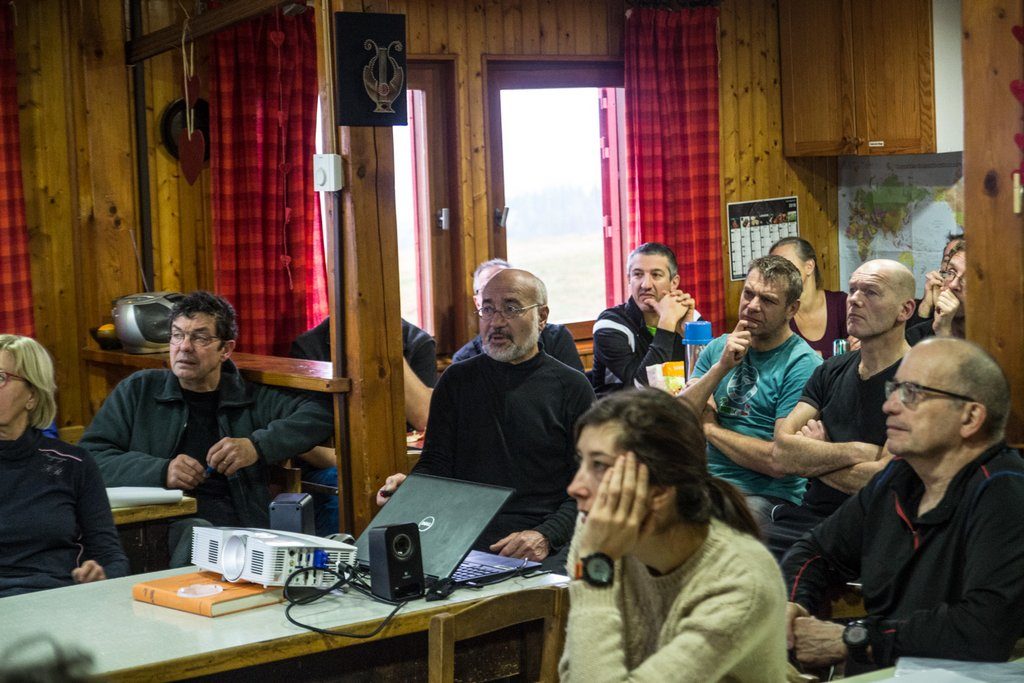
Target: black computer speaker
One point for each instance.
(396, 562)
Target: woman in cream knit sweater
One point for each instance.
(671, 581)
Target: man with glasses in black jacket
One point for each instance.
(936, 539)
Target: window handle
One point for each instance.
(444, 218)
(501, 217)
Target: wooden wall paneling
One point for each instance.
(160, 74)
(468, 36)
(182, 229)
(417, 26)
(461, 13)
(565, 23)
(105, 160)
(530, 12)
(995, 262)
(728, 102)
(582, 28)
(616, 27)
(753, 165)
(437, 19)
(473, 159)
(598, 29)
(500, 26)
(765, 174)
(50, 197)
(548, 17)
(513, 23)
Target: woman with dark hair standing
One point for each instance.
(822, 315)
(671, 580)
(56, 528)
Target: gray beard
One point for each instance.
(513, 352)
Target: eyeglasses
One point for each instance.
(201, 340)
(949, 275)
(910, 393)
(5, 377)
(508, 312)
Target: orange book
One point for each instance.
(205, 593)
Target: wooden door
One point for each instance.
(894, 99)
(816, 61)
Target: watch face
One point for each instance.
(856, 634)
(598, 570)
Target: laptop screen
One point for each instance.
(450, 514)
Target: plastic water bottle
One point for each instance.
(696, 338)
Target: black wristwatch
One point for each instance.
(857, 638)
(597, 569)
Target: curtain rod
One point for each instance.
(673, 4)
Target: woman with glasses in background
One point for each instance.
(56, 527)
(944, 297)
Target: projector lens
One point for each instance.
(233, 559)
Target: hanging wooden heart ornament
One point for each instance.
(191, 153)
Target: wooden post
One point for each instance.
(995, 250)
(364, 302)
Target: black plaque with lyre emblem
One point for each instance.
(369, 53)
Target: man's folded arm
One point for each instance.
(295, 423)
(747, 451)
(613, 349)
(794, 453)
(849, 480)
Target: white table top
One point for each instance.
(103, 620)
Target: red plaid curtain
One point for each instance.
(15, 273)
(268, 242)
(672, 145)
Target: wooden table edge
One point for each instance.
(134, 514)
(288, 647)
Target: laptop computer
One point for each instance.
(450, 514)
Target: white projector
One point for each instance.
(267, 556)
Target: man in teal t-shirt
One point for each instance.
(756, 376)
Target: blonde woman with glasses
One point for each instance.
(57, 527)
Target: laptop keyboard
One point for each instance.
(470, 571)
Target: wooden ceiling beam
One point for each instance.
(210, 21)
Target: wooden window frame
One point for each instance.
(446, 301)
(511, 73)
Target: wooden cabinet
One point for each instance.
(857, 77)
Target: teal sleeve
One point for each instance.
(794, 382)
